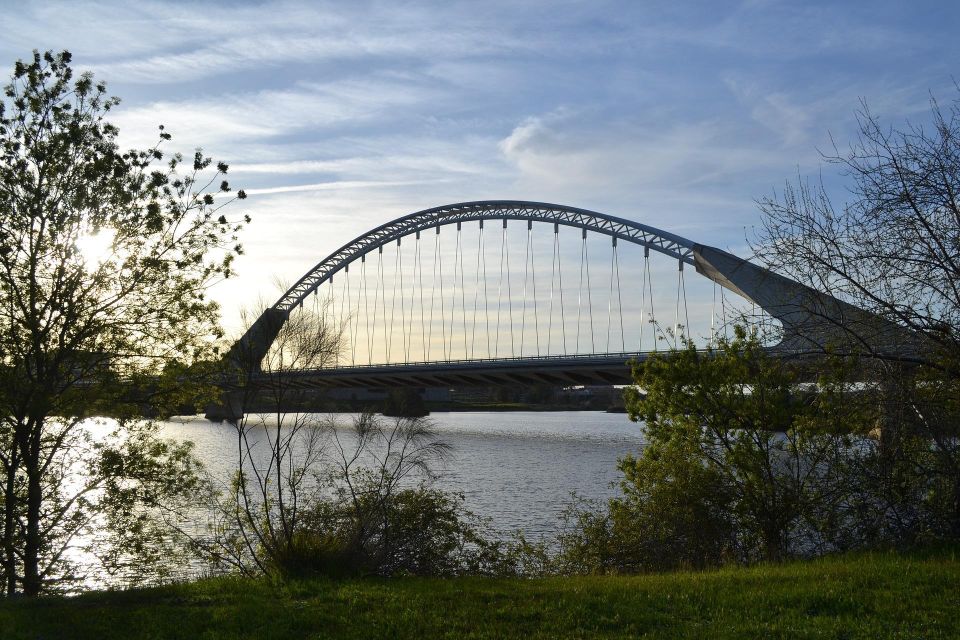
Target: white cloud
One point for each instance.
(567, 149)
(338, 184)
(223, 119)
(168, 43)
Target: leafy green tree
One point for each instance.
(742, 454)
(79, 329)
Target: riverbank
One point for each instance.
(880, 595)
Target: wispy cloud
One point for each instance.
(567, 148)
(227, 118)
(337, 184)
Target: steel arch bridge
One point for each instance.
(809, 320)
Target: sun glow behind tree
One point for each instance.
(97, 247)
(105, 259)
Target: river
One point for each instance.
(518, 469)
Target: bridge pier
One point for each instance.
(243, 362)
(230, 408)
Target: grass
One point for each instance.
(880, 595)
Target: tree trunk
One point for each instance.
(9, 522)
(30, 451)
(31, 550)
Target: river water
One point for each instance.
(518, 469)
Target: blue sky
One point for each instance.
(337, 117)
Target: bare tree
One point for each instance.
(894, 250)
(279, 449)
(386, 456)
(310, 492)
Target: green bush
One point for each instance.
(418, 531)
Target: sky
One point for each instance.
(339, 116)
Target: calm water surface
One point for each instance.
(516, 468)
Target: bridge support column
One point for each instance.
(230, 407)
(244, 360)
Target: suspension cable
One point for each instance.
(433, 291)
(526, 263)
(453, 303)
(423, 326)
(503, 245)
(653, 316)
(563, 315)
(345, 304)
(443, 323)
(486, 296)
(329, 318)
(333, 322)
(376, 299)
(613, 255)
(713, 317)
(553, 261)
(681, 293)
(399, 275)
(533, 283)
(586, 253)
(616, 257)
(413, 305)
(506, 246)
(583, 249)
(476, 294)
(463, 296)
(354, 324)
(686, 312)
(315, 309)
(676, 320)
(366, 301)
(387, 323)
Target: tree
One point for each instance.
(78, 331)
(893, 249)
(741, 460)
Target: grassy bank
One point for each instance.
(882, 595)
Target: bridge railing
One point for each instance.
(624, 355)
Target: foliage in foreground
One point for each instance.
(81, 330)
(746, 462)
(883, 595)
(891, 249)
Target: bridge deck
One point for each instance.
(584, 369)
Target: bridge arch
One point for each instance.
(809, 318)
(627, 230)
